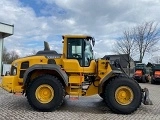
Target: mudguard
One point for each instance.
(104, 79)
(45, 67)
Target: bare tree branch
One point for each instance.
(125, 45)
(141, 39)
(146, 36)
(9, 57)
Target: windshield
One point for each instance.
(88, 50)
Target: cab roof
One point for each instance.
(76, 36)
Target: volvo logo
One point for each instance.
(52, 57)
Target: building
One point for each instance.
(5, 31)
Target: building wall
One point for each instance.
(1, 48)
(5, 31)
(5, 68)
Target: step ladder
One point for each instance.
(75, 84)
(75, 91)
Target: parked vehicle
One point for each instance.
(155, 73)
(140, 74)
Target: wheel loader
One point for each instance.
(47, 77)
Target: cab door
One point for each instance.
(77, 56)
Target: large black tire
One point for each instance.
(45, 93)
(113, 95)
(101, 95)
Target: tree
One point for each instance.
(138, 40)
(5, 55)
(13, 56)
(145, 36)
(155, 59)
(9, 57)
(125, 45)
(34, 52)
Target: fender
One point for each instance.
(45, 67)
(104, 79)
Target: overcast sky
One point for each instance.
(36, 21)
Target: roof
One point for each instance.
(76, 36)
(6, 29)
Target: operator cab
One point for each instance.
(80, 48)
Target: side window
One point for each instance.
(88, 53)
(74, 48)
(80, 49)
(76, 51)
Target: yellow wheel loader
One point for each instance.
(47, 77)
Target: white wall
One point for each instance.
(1, 48)
(6, 30)
(6, 67)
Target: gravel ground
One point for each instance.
(13, 107)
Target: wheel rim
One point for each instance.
(124, 95)
(44, 93)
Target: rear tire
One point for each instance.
(123, 95)
(45, 93)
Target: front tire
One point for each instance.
(123, 95)
(45, 93)
(101, 95)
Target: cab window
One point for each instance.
(75, 49)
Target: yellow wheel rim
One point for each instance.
(44, 93)
(124, 95)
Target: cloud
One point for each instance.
(105, 20)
